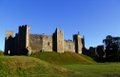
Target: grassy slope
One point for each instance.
(82, 65)
(62, 65)
(64, 58)
(21, 66)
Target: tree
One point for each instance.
(112, 48)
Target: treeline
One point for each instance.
(109, 52)
(112, 48)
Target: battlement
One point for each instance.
(24, 26)
(24, 43)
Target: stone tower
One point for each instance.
(16, 43)
(9, 43)
(23, 39)
(58, 41)
(78, 43)
(83, 41)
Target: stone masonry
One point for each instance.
(24, 43)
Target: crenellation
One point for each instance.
(24, 43)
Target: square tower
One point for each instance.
(23, 39)
(78, 43)
(58, 41)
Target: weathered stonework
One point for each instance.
(47, 43)
(69, 46)
(36, 42)
(40, 43)
(78, 43)
(58, 40)
(24, 43)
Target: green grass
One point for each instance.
(64, 58)
(82, 65)
(21, 66)
(95, 70)
(56, 65)
(1, 53)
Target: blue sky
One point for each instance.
(92, 18)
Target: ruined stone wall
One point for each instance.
(47, 43)
(18, 44)
(24, 43)
(69, 46)
(9, 43)
(35, 42)
(40, 43)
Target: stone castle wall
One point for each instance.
(36, 42)
(39, 43)
(18, 44)
(69, 46)
(24, 42)
(47, 43)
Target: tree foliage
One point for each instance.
(112, 48)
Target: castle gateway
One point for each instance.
(24, 43)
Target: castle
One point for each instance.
(24, 43)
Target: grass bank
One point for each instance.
(64, 58)
(22, 66)
(56, 65)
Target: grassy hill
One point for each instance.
(21, 66)
(56, 65)
(44, 65)
(64, 58)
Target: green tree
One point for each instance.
(112, 48)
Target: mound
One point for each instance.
(64, 58)
(21, 66)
